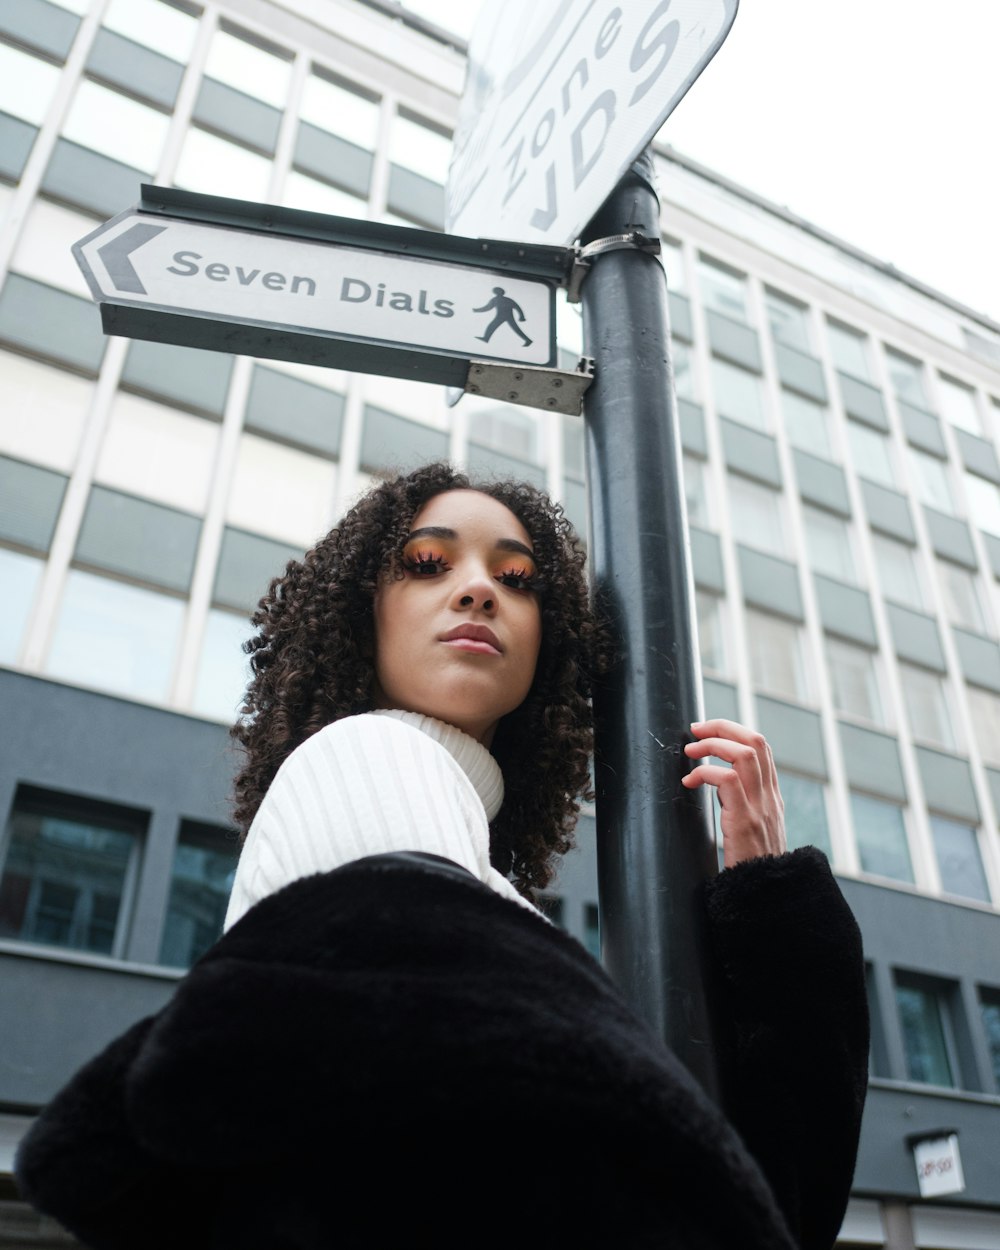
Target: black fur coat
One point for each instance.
(391, 1055)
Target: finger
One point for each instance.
(744, 759)
(735, 732)
(732, 794)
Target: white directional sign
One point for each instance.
(290, 287)
(561, 96)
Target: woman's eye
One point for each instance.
(425, 564)
(516, 579)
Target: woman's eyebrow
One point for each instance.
(449, 535)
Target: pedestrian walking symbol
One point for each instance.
(506, 310)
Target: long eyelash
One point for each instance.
(525, 575)
(421, 559)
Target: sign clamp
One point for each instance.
(557, 390)
(634, 240)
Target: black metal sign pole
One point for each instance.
(655, 843)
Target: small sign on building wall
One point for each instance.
(939, 1165)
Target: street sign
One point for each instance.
(265, 281)
(561, 96)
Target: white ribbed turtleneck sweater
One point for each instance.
(367, 785)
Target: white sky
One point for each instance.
(874, 119)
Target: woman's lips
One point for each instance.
(473, 645)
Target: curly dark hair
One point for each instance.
(312, 663)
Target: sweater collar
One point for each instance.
(471, 756)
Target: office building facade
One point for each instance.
(839, 424)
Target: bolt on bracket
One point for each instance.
(557, 390)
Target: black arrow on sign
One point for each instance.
(115, 256)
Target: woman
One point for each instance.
(389, 1045)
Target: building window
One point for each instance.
(114, 125)
(959, 860)
(871, 453)
(200, 884)
(165, 29)
(926, 706)
(341, 108)
(672, 256)
(923, 1019)
(27, 85)
(853, 682)
(828, 542)
(711, 636)
(776, 664)
(881, 836)
(738, 394)
(789, 321)
(19, 576)
(757, 515)
(849, 349)
(807, 424)
(962, 601)
(984, 711)
(989, 1002)
(723, 289)
(984, 503)
(907, 378)
(68, 871)
(223, 668)
(419, 153)
(805, 812)
(217, 167)
(684, 379)
(696, 492)
(931, 480)
(898, 572)
(244, 63)
(958, 405)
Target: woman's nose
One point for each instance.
(477, 591)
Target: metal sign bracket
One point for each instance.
(583, 257)
(557, 390)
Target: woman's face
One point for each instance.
(457, 637)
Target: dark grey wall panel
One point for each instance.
(88, 180)
(721, 700)
(489, 463)
(30, 499)
(188, 377)
(287, 407)
(247, 563)
(795, 735)
(978, 455)
(734, 341)
(979, 658)
(749, 452)
(681, 326)
(845, 610)
(947, 784)
(16, 140)
(225, 109)
(47, 27)
(392, 442)
(140, 70)
(923, 429)
(414, 196)
(821, 482)
(950, 537)
(770, 583)
(915, 637)
(706, 559)
(800, 372)
(863, 401)
(692, 421)
(53, 323)
(871, 761)
(138, 538)
(333, 159)
(888, 511)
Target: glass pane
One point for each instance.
(926, 707)
(738, 394)
(897, 571)
(931, 477)
(684, 384)
(200, 885)
(722, 290)
(923, 1036)
(776, 656)
(710, 634)
(419, 148)
(829, 545)
(27, 85)
(314, 196)
(984, 710)
(984, 503)
(116, 637)
(757, 515)
(158, 26)
(907, 378)
(695, 492)
(881, 837)
(852, 680)
(19, 576)
(805, 812)
(961, 865)
(248, 68)
(871, 454)
(850, 351)
(958, 405)
(789, 321)
(109, 122)
(63, 880)
(807, 423)
(212, 165)
(340, 111)
(672, 255)
(961, 596)
(223, 669)
(991, 1026)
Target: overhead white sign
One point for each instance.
(249, 277)
(939, 1166)
(561, 96)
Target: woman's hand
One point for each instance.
(753, 819)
